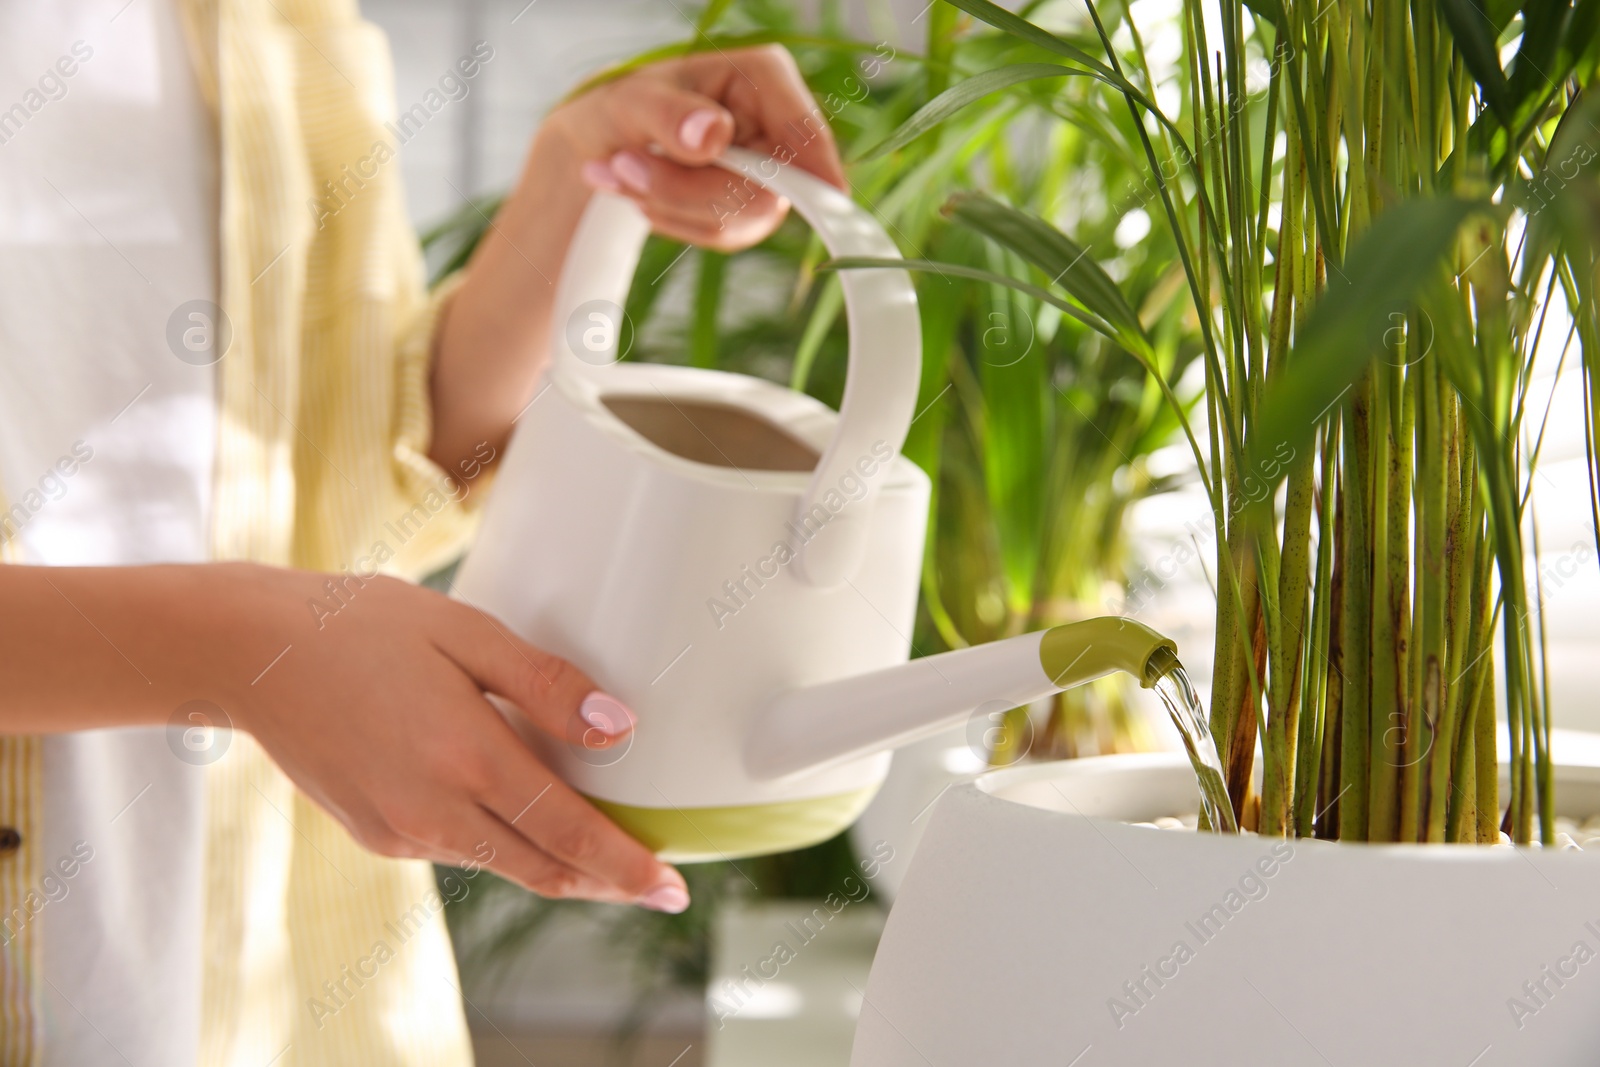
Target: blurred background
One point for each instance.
(541, 50)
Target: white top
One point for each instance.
(107, 226)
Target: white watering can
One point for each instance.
(739, 564)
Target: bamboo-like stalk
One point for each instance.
(1385, 719)
(1431, 728)
(1356, 617)
(1486, 775)
(1453, 756)
(1330, 789)
(1287, 639)
(1398, 606)
(1374, 649)
(1321, 670)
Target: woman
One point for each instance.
(218, 363)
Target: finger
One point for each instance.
(696, 230)
(554, 818)
(525, 793)
(725, 224)
(709, 190)
(709, 207)
(767, 90)
(505, 852)
(485, 765)
(685, 125)
(551, 693)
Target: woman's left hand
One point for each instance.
(651, 134)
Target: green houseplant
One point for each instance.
(1373, 284)
(1383, 213)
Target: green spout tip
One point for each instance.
(1163, 660)
(1079, 652)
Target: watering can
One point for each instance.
(738, 563)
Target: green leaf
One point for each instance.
(1475, 37)
(942, 319)
(966, 92)
(1386, 270)
(942, 35)
(1066, 263)
(1554, 37)
(1501, 12)
(712, 14)
(1267, 9)
(1141, 353)
(1013, 374)
(1561, 201)
(1022, 29)
(717, 42)
(458, 235)
(977, 274)
(1587, 51)
(830, 301)
(707, 309)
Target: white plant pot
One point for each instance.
(1035, 926)
(898, 815)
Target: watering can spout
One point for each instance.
(815, 728)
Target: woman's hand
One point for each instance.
(374, 705)
(380, 715)
(650, 136)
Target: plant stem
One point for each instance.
(1356, 611)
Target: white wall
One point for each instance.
(541, 49)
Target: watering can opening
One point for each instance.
(713, 433)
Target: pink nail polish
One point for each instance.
(631, 171)
(667, 897)
(599, 176)
(606, 713)
(692, 133)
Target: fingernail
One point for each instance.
(668, 897)
(606, 713)
(692, 133)
(599, 176)
(632, 171)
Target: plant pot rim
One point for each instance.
(1095, 787)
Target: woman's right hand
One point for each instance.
(378, 712)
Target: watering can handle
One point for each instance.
(885, 355)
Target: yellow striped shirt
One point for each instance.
(316, 951)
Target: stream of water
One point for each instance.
(1189, 716)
